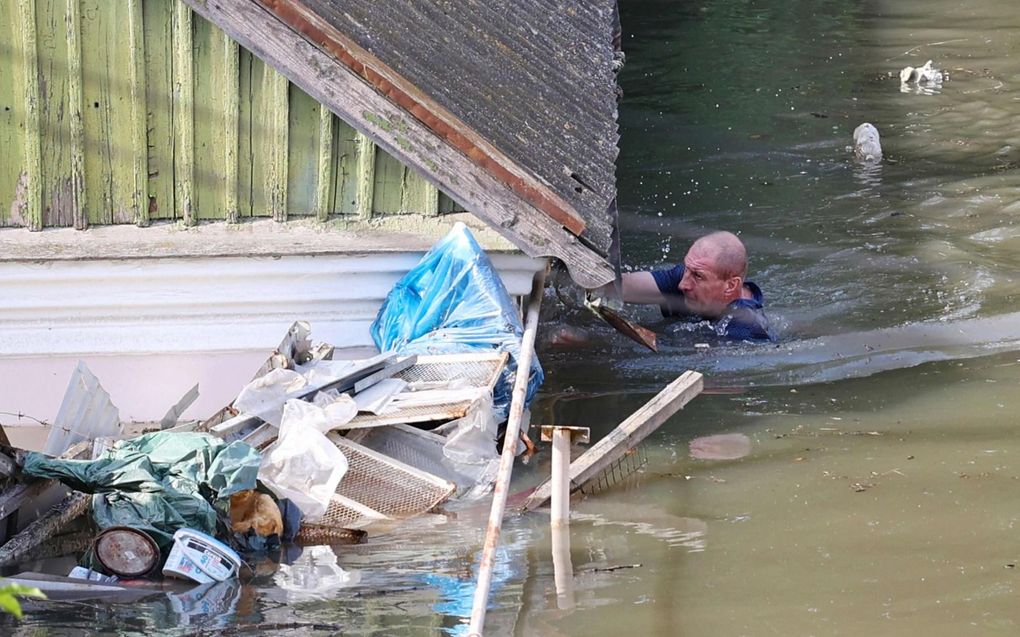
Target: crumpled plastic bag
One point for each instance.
(471, 439)
(454, 301)
(314, 575)
(264, 396)
(159, 482)
(303, 465)
(470, 449)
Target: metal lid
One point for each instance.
(126, 552)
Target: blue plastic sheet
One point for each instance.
(454, 301)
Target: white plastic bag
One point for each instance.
(264, 396)
(303, 465)
(472, 439)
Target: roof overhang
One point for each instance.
(419, 131)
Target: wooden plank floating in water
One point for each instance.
(626, 436)
(43, 527)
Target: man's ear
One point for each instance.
(733, 285)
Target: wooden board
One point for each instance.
(627, 435)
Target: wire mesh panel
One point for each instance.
(617, 474)
(420, 449)
(388, 486)
(476, 370)
(479, 370)
(347, 514)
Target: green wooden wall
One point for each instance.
(134, 111)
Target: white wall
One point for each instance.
(151, 328)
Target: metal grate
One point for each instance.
(617, 473)
(420, 449)
(477, 370)
(375, 484)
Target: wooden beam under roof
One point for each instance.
(376, 101)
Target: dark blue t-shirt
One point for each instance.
(744, 319)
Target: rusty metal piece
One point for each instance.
(320, 534)
(628, 328)
(126, 552)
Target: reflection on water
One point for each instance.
(878, 494)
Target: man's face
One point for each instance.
(705, 292)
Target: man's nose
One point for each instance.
(685, 283)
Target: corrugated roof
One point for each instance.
(533, 77)
(508, 106)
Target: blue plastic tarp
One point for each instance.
(454, 301)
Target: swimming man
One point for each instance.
(709, 284)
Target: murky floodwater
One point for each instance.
(879, 496)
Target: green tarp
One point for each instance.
(158, 482)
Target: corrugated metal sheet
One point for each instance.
(86, 413)
(533, 77)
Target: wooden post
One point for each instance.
(506, 459)
(563, 567)
(561, 438)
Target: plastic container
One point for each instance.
(126, 552)
(200, 557)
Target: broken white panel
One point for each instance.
(377, 398)
(174, 413)
(432, 397)
(86, 413)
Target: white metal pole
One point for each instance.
(506, 460)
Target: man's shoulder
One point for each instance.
(668, 279)
(745, 318)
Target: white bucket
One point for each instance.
(201, 558)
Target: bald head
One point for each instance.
(727, 253)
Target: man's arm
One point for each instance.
(640, 287)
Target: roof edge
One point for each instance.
(399, 132)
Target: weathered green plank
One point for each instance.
(324, 176)
(447, 205)
(211, 103)
(76, 121)
(54, 131)
(275, 109)
(345, 168)
(417, 195)
(302, 152)
(231, 118)
(16, 176)
(146, 114)
(139, 109)
(365, 177)
(183, 119)
(249, 68)
(109, 107)
(157, 25)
